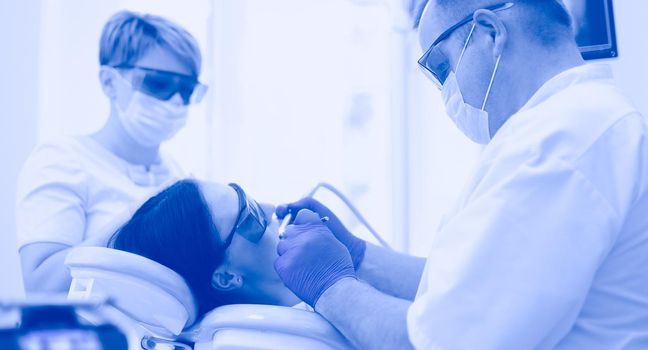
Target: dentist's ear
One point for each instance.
(107, 80)
(223, 280)
(495, 28)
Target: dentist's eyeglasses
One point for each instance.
(163, 85)
(251, 221)
(434, 63)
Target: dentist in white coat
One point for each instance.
(74, 190)
(547, 248)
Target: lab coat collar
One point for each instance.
(567, 78)
(155, 175)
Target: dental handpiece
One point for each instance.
(284, 223)
(286, 220)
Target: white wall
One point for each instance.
(441, 159)
(631, 68)
(19, 31)
(304, 95)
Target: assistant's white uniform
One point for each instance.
(72, 188)
(548, 245)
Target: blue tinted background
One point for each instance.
(302, 91)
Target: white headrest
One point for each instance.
(143, 289)
(286, 327)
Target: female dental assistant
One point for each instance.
(547, 248)
(73, 190)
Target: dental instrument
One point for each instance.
(284, 223)
(286, 220)
(351, 207)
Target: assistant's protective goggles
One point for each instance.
(163, 84)
(434, 63)
(251, 221)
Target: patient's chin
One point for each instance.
(274, 236)
(270, 293)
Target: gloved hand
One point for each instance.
(354, 245)
(310, 258)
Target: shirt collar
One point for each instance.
(152, 176)
(565, 79)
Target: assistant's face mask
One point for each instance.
(471, 121)
(148, 120)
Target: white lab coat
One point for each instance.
(548, 245)
(72, 188)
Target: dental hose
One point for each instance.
(353, 209)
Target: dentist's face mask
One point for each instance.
(471, 121)
(148, 120)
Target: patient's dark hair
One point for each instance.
(175, 228)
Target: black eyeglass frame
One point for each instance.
(249, 212)
(446, 34)
(198, 89)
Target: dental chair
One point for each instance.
(155, 308)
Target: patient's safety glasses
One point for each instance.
(163, 85)
(434, 63)
(251, 221)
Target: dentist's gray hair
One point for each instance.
(547, 20)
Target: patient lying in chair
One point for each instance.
(216, 237)
(182, 258)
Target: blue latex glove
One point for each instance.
(355, 245)
(310, 258)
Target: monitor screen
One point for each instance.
(594, 26)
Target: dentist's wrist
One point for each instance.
(357, 251)
(331, 296)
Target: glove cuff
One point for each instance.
(357, 252)
(328, 284)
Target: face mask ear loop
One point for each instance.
(117, 74)
(463, 50)
(492, 79)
